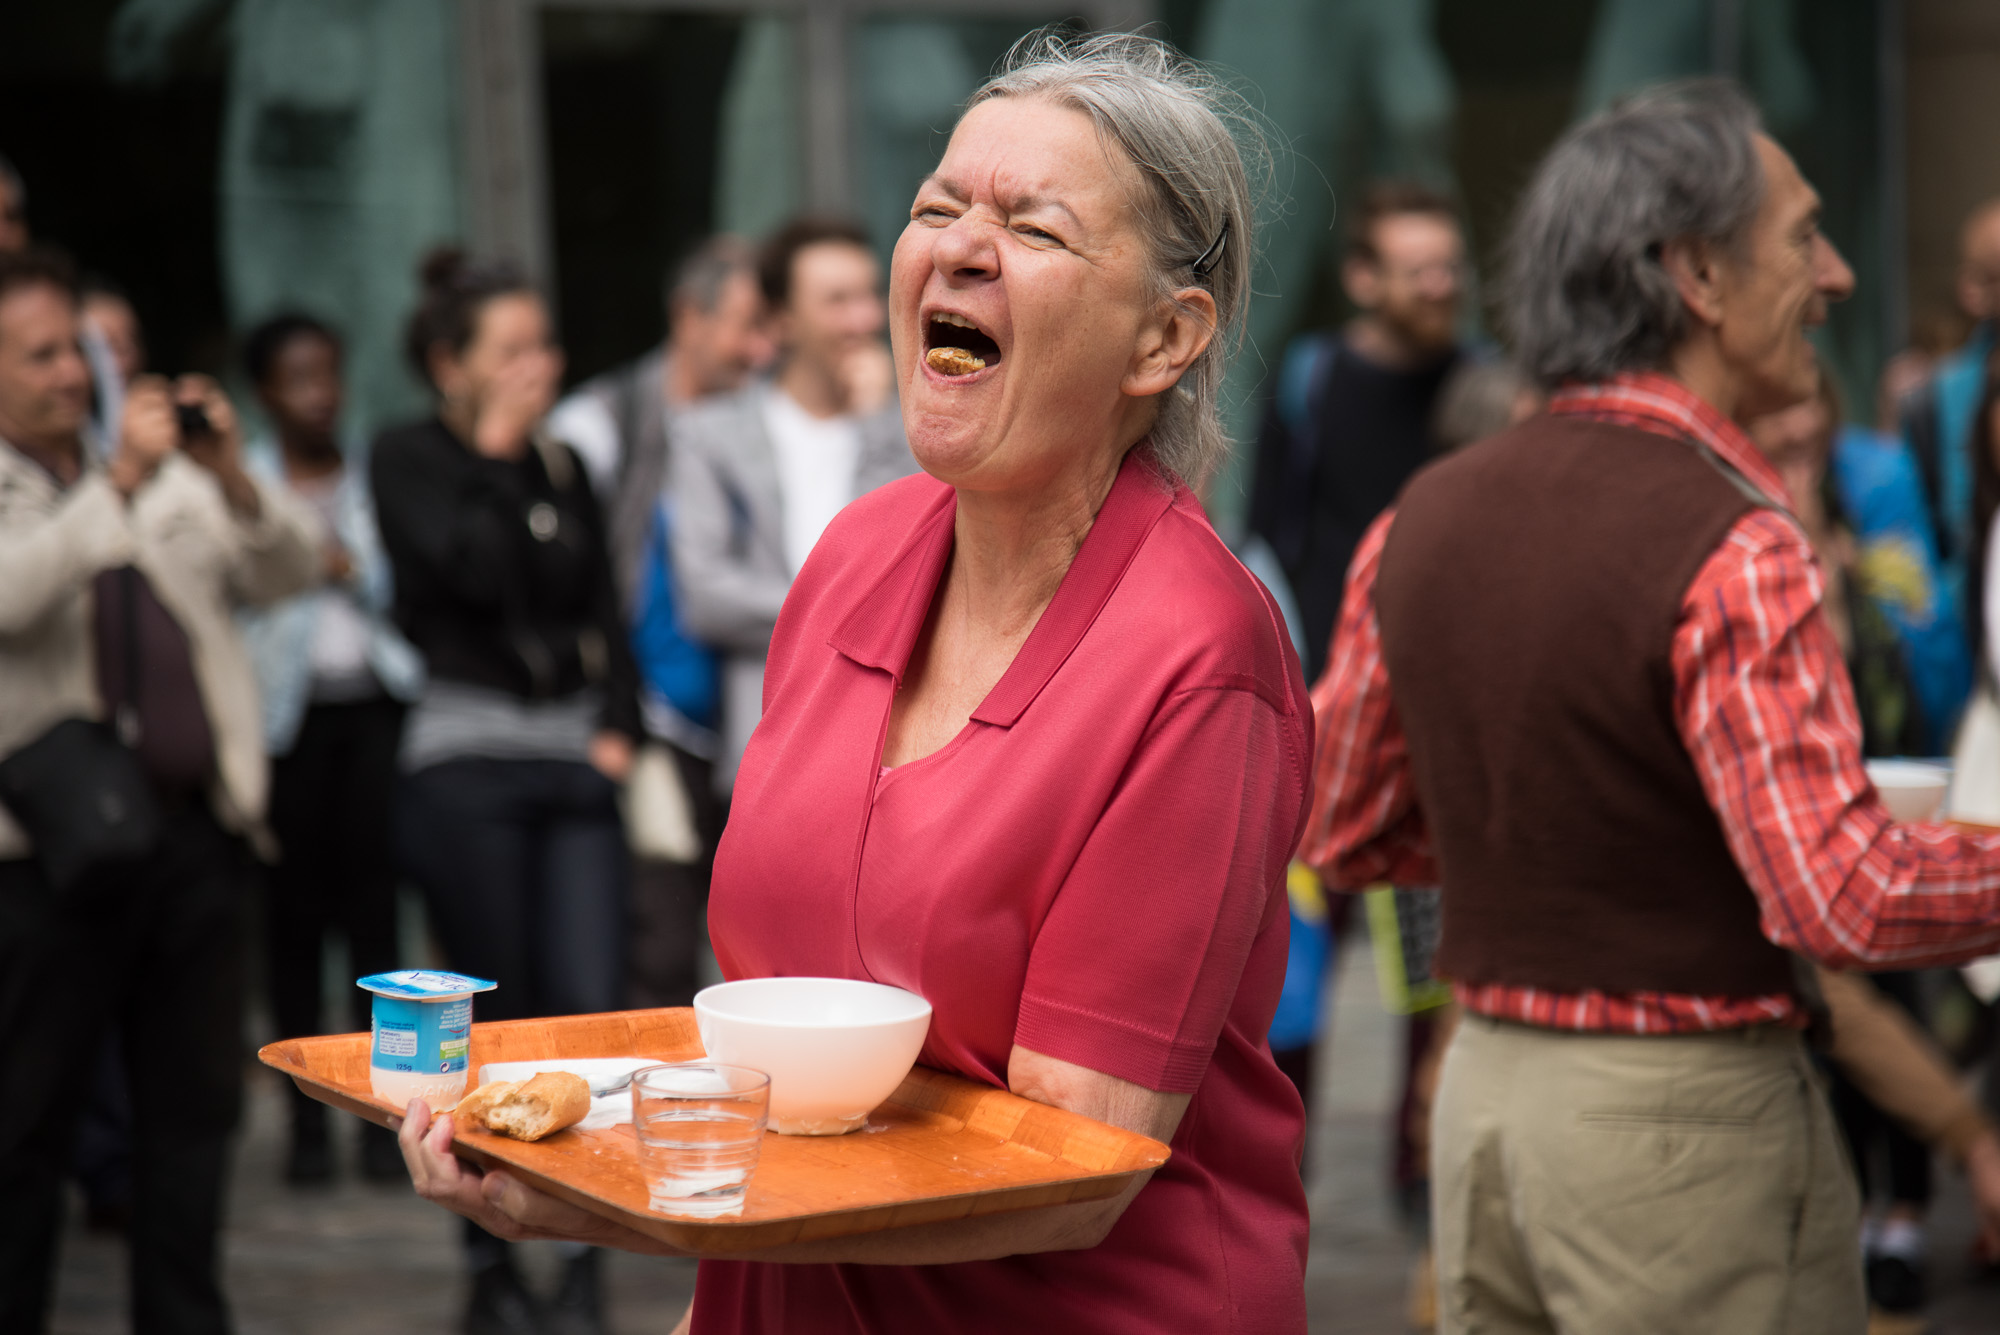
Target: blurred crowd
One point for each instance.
(510, 654)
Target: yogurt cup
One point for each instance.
(421, 1034)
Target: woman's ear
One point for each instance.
(447, 370)
(443, 368)
(1171, 343)
(1696, 275)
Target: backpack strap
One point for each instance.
(628, 390)
(1302, 378)
(557, 461)
(1925, 433)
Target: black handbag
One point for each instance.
(78, 789)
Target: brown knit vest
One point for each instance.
(1528, 595)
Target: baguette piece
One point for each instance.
(528, 1109)
(472, 1109)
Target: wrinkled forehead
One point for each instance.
(1025, 153)
(1788, 197)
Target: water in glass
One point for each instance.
(698, 1161)
(700, 1127)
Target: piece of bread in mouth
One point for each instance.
(528, 1109)
(954, 361)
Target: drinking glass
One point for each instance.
(700, 1125)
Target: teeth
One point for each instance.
(954, 361)
(947, 317)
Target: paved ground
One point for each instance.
(362, 1260)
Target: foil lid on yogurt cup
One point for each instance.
(424, 985)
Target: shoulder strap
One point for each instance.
(125, 713)
(556, 459)
(1923, 430)
(1301, 378)
(1732, 475)
(627, 405)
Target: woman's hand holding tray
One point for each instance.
(940, 1148)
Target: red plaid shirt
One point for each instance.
(1766, 710)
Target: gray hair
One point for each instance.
(697, 281)
(1180, 126)
(1585, 295)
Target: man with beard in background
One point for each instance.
(1351, 419)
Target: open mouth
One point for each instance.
(954, 346)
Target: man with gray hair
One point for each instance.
(618, 421)
(1583, 677)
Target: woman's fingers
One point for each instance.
(435, 1171)
(443, 1178)
(438, 1136)
(410, 1130)
(499, 1202)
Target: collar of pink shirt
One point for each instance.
(882, 629)
(1651, 401)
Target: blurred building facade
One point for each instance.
(317, 147)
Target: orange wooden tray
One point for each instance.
(940, 1148)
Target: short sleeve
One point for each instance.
(1137, 965)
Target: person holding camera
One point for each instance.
(132, 783)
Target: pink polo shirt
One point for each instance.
(1092, 869)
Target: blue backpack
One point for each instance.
(1882, 496)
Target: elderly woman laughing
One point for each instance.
(1035, 746)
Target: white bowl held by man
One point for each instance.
(833, 1047)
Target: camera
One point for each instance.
(193, 420)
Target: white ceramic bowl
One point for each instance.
(833, 1047)
(1913, 790)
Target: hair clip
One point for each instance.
(1205, 263)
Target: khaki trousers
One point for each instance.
(1595, 1184)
